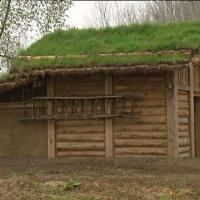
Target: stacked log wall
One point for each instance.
(184, 129)
(80, 137)
(146, 133)
(184, 136)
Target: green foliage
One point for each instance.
(70, 185)
(118, 39)
(3, 76)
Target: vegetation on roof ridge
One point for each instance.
(91, 61)
(129, 38)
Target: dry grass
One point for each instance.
(127, 179)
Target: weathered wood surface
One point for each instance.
(146, 134)
(83, 138)
(51, 123)
(183, 77)
(172, 114)
(184, 124)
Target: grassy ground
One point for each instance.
(99, 179)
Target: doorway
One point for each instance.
(197, 125)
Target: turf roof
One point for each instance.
(118, 39)
(111, 40)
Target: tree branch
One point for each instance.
(4, 56)
(5, 18)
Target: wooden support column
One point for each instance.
(172, 114)
(51, 123)
(191, 97)
(109, 121)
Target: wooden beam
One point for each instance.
(191, 97)
(51, 123)
(172, 114)
(109, 121)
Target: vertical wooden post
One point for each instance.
(172, 114)
(109, 121)
(191, 97)
(51, 122)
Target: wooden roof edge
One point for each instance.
(18, 79)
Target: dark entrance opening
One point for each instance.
(197, 125)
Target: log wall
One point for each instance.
(80, 137)
(196, 77)
(184, 77)
(146, 134)
(21, 138)
(184, 124)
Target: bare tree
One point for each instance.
(171, 11)
(102, 13)
(19, 16)
(119, 13)
(107, 13)
(124, 13)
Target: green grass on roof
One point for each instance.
(94, 60)
(118, 39)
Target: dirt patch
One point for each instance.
(124, 178)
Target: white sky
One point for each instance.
(81, 11)
(79, 15)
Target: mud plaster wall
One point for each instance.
(21, 138)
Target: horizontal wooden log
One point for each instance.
(181, 92)
(183, 134)
(142, 78)
(80, 153)
(141, 150)
(151, 84)
(76, 130)
(183, 113)
(81, 137)
(149, 120)
(183, 97)
(160, 111)
(80, 146)
(81, 123)
(147, 94)
(150, 103)
(125, 126)
(183, 120)
(184, 155)
(140, 142)
(183, 104)
(140, 135)
(183, 128)
(184, 141)
(185, 149)
(13, 106)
